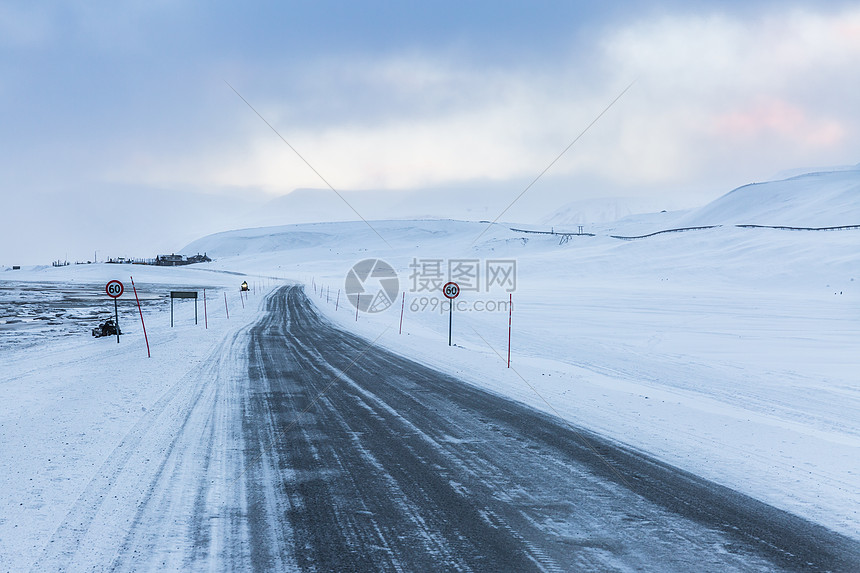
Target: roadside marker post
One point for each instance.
(402, 306)
(451, 291)
(114, 289)
(337, 303)
(510, 312)
(227, 310)
(357, 303)
(205, 314)
(148, 355)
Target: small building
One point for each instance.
(171, 260)
(174, 260)
(198, 258)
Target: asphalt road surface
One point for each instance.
(303, 447)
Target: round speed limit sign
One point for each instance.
(114, 289)
(451, 290)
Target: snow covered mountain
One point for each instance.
(598, 210)
(317, 205)
(823, 199)
(828, 198)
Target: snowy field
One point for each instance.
(729, 352)
(725, 352)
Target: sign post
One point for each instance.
(451, 291)
(183, 294)
(510, 312)
(114, 289)
(141, 317)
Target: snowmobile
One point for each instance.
(244, 286)
(107, 328)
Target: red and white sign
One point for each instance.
(451, 290)
(114, 289)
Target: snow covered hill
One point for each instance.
(343, 238)
(474, 203)
(824, 199)
(589, 212)
(820, 199)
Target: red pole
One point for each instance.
(510, 312)
(402, 305)
(148, 355)
(357, 302)
(225, 306)
(205, 316)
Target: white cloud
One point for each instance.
(747, 94)
(717, 99)
(425, 124)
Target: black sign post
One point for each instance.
(183, 294)
(451, 290)
(114, 289)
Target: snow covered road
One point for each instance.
(298, 446)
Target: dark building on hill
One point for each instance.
(170, 260)
(198, 258)
(174, 260)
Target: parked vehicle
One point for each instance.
(107, 328)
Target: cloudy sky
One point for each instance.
(119, 132)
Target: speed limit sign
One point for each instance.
(451, 290)
(114, 289)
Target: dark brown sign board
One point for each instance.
(183, 294)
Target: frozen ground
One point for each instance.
(728, 352)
